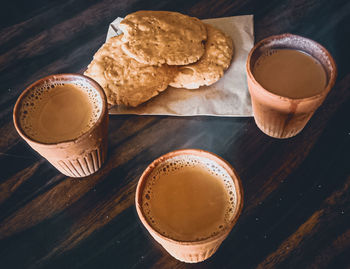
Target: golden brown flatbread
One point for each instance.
(210, 68)
(125, 80)
(158, 37)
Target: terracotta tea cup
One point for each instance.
(82, 155)
(192, 251)
(279, 116)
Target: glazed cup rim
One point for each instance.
(330, 83)
(55, 77)
(196, 152)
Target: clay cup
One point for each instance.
(190, 251)
(279, 116)
(78, 157)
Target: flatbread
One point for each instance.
(158, 37)
(210, 68)
(125, 80)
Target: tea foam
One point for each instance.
(35, 100)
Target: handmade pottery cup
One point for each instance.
(43, 105)
(188, 247)
(279, 116)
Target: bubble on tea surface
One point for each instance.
(33, 102)
(175, 164)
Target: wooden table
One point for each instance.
(297, 204)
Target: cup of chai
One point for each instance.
(189, 200)
(289, 77)
(64, 118)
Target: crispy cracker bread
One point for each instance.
(158, 37)
(210, 68)
(125, 80)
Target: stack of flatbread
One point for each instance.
(158, 49)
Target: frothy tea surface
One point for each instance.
(59, 112)
(189, 198)
(290, 73)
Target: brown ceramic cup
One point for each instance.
(283, 117)
(78, 157)
(189, 251)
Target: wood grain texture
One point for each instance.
(297, 191)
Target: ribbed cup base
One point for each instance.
(82, 166)
(277, 128)
(194, 256)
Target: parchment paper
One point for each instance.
(227, 97)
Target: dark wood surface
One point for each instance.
(297, 200)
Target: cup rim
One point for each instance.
(331, 80)
(197, 152)
(55, 77)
